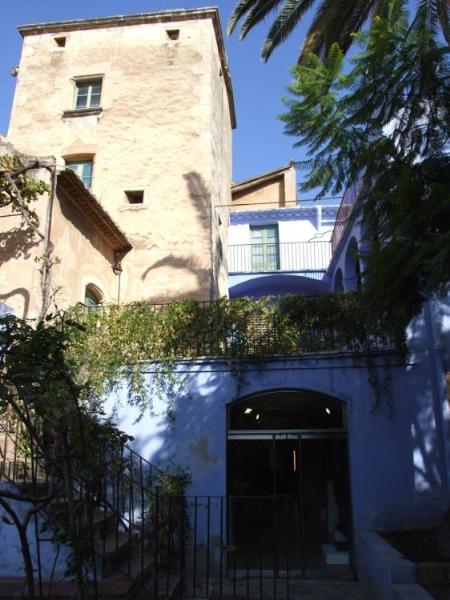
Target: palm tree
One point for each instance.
(334, 21)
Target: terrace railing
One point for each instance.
(249, 328)
(351, 194)
(303, 257)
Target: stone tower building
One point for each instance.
(141, 107)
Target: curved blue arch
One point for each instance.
(278, 285)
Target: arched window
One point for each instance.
(93, 297)
(352, 267)
(287, 409)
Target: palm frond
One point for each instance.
(290, 14)
(256, 15)
(337, 20)
(241, 9)
(432, 15)
(444, 18)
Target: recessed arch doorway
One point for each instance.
(288, 480)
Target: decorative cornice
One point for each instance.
(280, 214)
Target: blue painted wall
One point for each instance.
(398, 463)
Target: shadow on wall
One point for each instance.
(16, 243)
(178, 263)
(406, 486)
(431, 423)
(18, 292)
(194, 433)
(189, 261)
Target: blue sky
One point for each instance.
(259, 142)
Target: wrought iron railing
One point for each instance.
(303, 257)
(246, 328)
(351, 194)
(110, 518)
(134, 536)
(237, 546)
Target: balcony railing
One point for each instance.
(302, 257)
(351, 194)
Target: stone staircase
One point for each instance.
(123, 562)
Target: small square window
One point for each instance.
(87, 93)
(173, 34)
(135, 197)
(60, 41)
(83, 168)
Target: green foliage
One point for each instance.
(168, 525)
(333, 22)
(28, 189)
(59, 430)
(385, 120)
(114, 341)
(172, 481)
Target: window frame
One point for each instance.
(93, 297)
(71, 162)
(87, 82)
(267, 260)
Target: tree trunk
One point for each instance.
(25, 547)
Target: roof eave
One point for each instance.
(82, 199)
(258, 179)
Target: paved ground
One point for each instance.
(301, 589)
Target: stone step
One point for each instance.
(113, 549)
(112, 587)
(334, 556)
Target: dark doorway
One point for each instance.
(288, 488)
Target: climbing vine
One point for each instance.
(19, 191)
(54, 375)
(112, 342)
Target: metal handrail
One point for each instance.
(351, 194)
(305, 257)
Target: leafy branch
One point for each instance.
(383, 117)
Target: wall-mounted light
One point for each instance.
(328, 411)
(247, 411)
(258, 417)
(117, 268)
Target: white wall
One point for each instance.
(295, 253)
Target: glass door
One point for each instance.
(289, 504)
(265, 248)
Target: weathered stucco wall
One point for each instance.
(20, 281)
(220, 176)
(81, 256)
(84, 257)
(164, 128)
